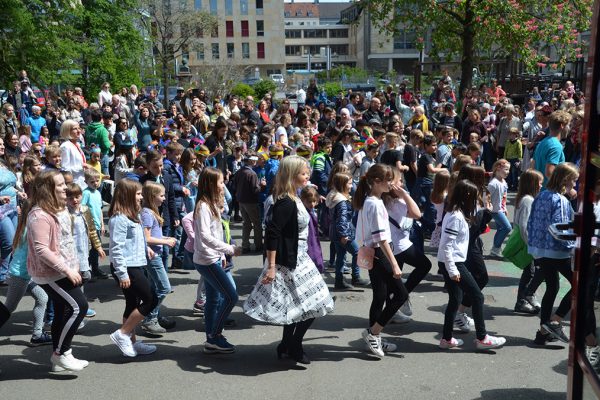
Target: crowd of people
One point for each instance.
(378, 175)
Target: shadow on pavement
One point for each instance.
(520, 393)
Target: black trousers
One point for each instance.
(139, 294)
(550, 268)
(70, 307)
(388, 293)
(417, 259)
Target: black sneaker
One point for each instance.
(541, 339)
(556, 330)
(42, 340)
(343, 285)
(99, 274)
(361, 282)
(523, 306)
(166, 322)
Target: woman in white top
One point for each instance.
(452, 254)
(72, 157)
(373, 230)
(105, 97)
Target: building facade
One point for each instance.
(249, 34)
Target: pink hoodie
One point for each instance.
(45, 264)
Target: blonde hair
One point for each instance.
(124, 201)
(150, 190)
(289, 168)
(65, 128)
(562, 174)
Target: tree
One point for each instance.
(525, 29)
(218, 79)
(175, 27)
(242, 90)
(263, 87)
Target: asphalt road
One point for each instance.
(340, 369)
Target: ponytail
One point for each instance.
(380, 172)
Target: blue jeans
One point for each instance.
(503, 228)
(340, 252)
(221, 296)
(8, 225)
(104, 161)
(429, 213)
(159, 280)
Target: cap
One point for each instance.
(374, 121)
(180, 89)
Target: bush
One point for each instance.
(332, 89)
(242, 90)
(263, 87)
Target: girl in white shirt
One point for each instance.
(209, 259)
(452, 254)
(373, 230)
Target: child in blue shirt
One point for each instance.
(93, 200)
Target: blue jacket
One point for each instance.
(341, 213)
(271, 168)
(177, 180)
(127, 245)
(548, 208)
(18, 261)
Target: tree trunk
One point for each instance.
(468, 38)
(165, 75)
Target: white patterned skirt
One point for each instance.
(293, 296)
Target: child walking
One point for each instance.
(441, 181)
(84, 232)
(310, 199)
(513, 152)
(153, 196)
(128, 252)
(52, 264)
(498, 189)
(373, 230)
(452, 254)
(209, 258)
(92, 199)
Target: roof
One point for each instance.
(331, 10)
(301, 10)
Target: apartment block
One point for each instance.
(315, 38)
(250, 34)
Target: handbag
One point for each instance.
(515, 249)
(366, 254)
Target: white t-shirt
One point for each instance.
(281, 135)
(498, 191)
(373, 225)
(454, 242)
(397, 210)
(439, 209)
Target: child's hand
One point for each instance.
(455, 278)
(186, 191)
(101, 253)
(150, 252)
(125, 283)
(344, 240)
(171, 241)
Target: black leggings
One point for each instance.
(530, 281)
(550, 267)
(70, 307)
(4, 314)
(139, 294)
(387, 291)
(293, 335)
(476, 266)
(413, 257)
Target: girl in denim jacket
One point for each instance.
(554, 256)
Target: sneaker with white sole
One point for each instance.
(123, 342)
(153, 328)
(534, 302)
(218, 344)
(373, 343)
(555, 329)
(400, 318)
(406, 308)
(449, 344)
(496, 252)
(66, 362)
(489, 342)
(143, 349)
(463, 322)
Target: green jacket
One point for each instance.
(96, 133)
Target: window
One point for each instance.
(292, 51)
(230, 50)
(259, 7)
(215, 32)
(338, 33)
(228, 7)
(245, 29)
(339, 49)
(244, 7)
(215, 51)
(229, 28)
(293, 33)
(260, 50)
(405, 39)
(287, 14)
(200, 52)
(198, 4)
(315, 33)
(245, 50)
(314, 50)
(213, 7)
(309, 14)
(299, 13)
(260, 28)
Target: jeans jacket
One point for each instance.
(127, 245)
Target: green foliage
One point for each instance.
(352, 74)
(333, 88)
(242, 90)
(263, 87)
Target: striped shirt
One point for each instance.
(454, 241)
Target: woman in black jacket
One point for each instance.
(290, 291)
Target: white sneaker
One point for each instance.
(449, 344)
(463, 322)
(123, 342)
(489, 342)
(142, 348)
(533, 301)
(388, 347)
(406, 308)
(66, 361)
(373, 342)
(496, 252)
(400, 318)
